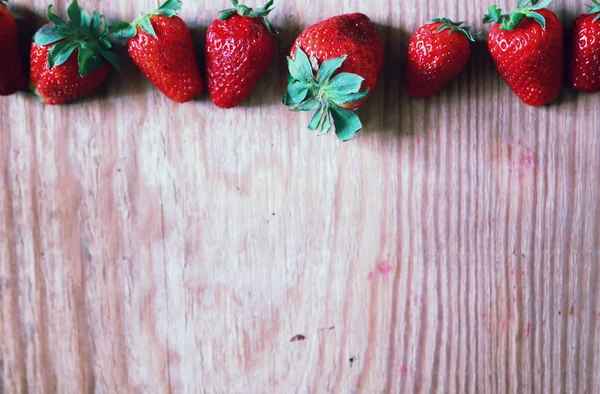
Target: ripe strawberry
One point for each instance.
(69, 60)
(11, 73)
(239, 48)
(527, 48)
(436, 56)
(329, 64)
(584, 57)
(160, 44)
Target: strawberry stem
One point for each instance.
(246, 11)
(129, 30)
(454, 27)
(525, 9)
(89, 36)
(594, 9)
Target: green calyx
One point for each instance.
(4, 2)
(525, 9)
(126, 30)
(324, 94)
(243, 10)
(594, 9)
(88, 35)
(454, 27)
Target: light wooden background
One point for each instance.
(150, 247)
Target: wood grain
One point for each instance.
(150, 247)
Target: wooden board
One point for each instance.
(150, 247)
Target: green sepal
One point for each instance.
(300, 68)
(61, 52)
(346, 122)
(594, 9)
(89, 37)
(242, 10)
(325, 94)
(525, 9)
(48, 34)
(127, 30)
(146, 26)
(4, 2)
(454, 27)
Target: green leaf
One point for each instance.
(348, 98)
(296, 93)
(61, 52)
(95, 23)
(523, 3)
(539, 6)
(47, 35)
(74, 13)
(344, 83)
(308, 105)
(316, 119)
(85, 19)
(88, 61)
(55, 19)
(169, 8)
(538, 18)
(112, 58)
(326, 125)
(346, 123)
(328, 68)
(300, 67)
(124, 30)
(268, 25)
(146, 26)
(226, 14)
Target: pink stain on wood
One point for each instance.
(371, 275)
(517, 158)
(384, 268)
(527, 331)
(504, 325)
(405, 370)
(512, 272)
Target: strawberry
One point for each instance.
(70, 60)
(160, 44)
(527, 48)
(583, 70)
(11, 73)
(436, 56)
(330, 64)
(239, 48)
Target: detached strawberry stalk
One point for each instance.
(70, 59)
(324, 95)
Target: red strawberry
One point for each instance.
(329, 64)
(584, 57)
(160, 44)
(527, 48)
(239, 48)
(69, 60)
(11, 73)
(436, 56)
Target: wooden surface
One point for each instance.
(150, 247)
